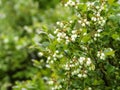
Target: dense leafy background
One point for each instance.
(19, 23)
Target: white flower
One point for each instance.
(52, 88)
(67, 41)
(58, 39)
(29, 30)
(79, 75)
(57, 51)
(98, 14)
(55, 32)
(40, 54)
(97, 35)
(47, 65)
(99, 22)
(51, 62)
(110, 49)
(71, 3)
(54, 58)
(73, 32)
(88, 61)
(101, 18)
(97, 7)
(87, 22)
(75, 72)
(76, 7)
(93, 18)
(59, 86)
(103, 21)
(66, 37)
(95, 38)
(79, 21)
(99, 30)
(101, 55)
(83, 47)
(58, 23)
(63, 35)
(59, 35)
(98, 54)
(84, 75)
(50, 82)
(67, 67)
(61, 24)
(71, 21)
(49, 58)
(81, 60)
(66, 4)
(84, 34)
(83, 24)
(73, 37)
(89, 88)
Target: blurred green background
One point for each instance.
(20, 24)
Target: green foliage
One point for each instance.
(20, 22)
(79, 52)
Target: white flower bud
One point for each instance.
(83, 24)
(84, 75)
(93, 18)
(50, 82)
(79, 75)
(40, 54)
(79, 21)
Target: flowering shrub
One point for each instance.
(83, 51)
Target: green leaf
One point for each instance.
(83, 7)
(96, 82)
(109, 68)
(45, 44)
(111, 1)
(73, 24)
(64, 1)
(86, 38)
(115, 36)
(110, 53)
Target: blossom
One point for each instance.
(101, 55)
(40, 54)
(81, 60)
(79, 75)
(73, 37)
(88, 62)
(50, 82)
(93, 19)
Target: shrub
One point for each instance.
(83, 51)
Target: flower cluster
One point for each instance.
(101, 55)
(83, 21)
(54, 57)
(104, 53)
(77, 33)
(76, 66)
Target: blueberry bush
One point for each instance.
(70, 45)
